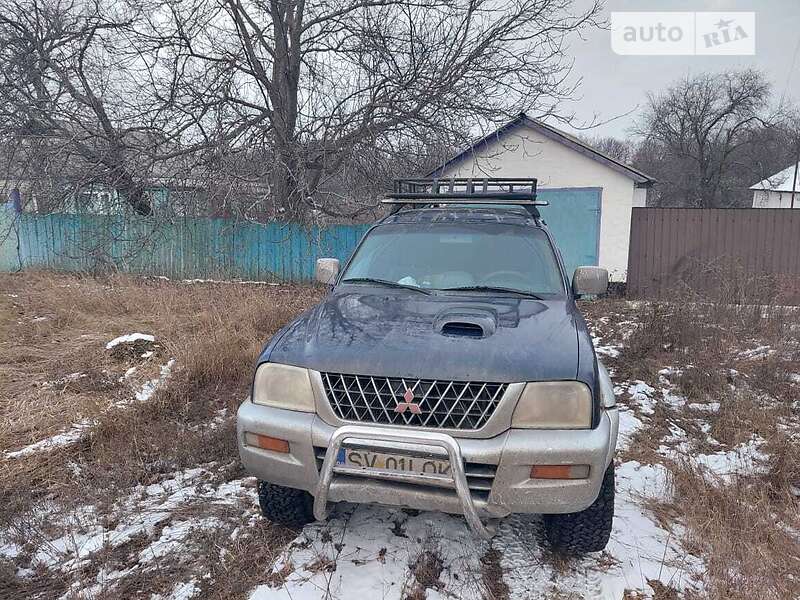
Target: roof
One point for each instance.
(780, 182)
(554, 134)
(512, 215)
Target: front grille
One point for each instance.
(430, 403)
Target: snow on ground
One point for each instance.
(605, 349)
(75, 432)
(374, 549)
(745, 459)
(165, 513)
(149, 387)
(129, 339)
(65, 438)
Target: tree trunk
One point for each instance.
(287, 18)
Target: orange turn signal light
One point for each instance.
(559, 471)
(266, 443)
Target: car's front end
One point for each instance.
(420, 391)
(519, 458)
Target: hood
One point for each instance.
(408, 334)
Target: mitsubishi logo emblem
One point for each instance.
(408, 404)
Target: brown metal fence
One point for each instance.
(674, 247)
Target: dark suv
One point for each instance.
(447, 369)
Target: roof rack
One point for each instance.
(458, 190)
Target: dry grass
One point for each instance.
(742, 531)
(740, 357)
(492, 576)
(213, 331)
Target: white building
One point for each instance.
(776, 191)
(562, 163)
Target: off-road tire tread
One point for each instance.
(286, 506)
(588, 530)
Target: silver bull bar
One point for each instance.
(373, 436)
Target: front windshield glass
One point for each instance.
(463, 255)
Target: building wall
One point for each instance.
(526, 153)
(639, 197)
(769, 199)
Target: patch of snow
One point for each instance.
(127, 339)
(234, 281)
(9, 549)
(757, 352)
(672, 399)
(13, 295)
(38, 319)
(374, 548)
(794, 377)
(611, 350)
(150, 387)
(710, 407)
(64, 438)
(181, 591)
(173, 538)
(642, 395)
(74, 433)
(628, 425)
(745, 459)
(84, 531)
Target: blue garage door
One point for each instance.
(574, 220)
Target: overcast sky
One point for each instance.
(613, 84)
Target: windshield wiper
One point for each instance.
(492, 288)
(387, 283)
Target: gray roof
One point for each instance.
(572, 142)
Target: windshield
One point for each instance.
(472, 256)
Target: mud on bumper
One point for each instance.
(494, 481)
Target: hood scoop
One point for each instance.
(466, 323)
(462, 329)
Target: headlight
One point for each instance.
(283, 386)
(554, 405)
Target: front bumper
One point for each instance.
(496, 469)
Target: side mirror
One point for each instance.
(327, 270)
(589, 280)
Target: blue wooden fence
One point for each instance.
(182, 248)
(204, 248)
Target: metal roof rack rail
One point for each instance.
(460, 190)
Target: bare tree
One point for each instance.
(85, 98)
(621, 149)
(325, 83)
(694, 130)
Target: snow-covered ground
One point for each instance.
(169, 515)
(375, 549)
(365, 552)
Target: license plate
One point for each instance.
(401, 463)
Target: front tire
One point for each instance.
(588, 530)
(285, 506)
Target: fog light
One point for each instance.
(266, 443)
(559, 471)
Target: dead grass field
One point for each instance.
(149, 497)
(55, 371)
(728, 375)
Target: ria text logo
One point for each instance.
(683, 33)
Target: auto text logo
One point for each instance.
(683, 33)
